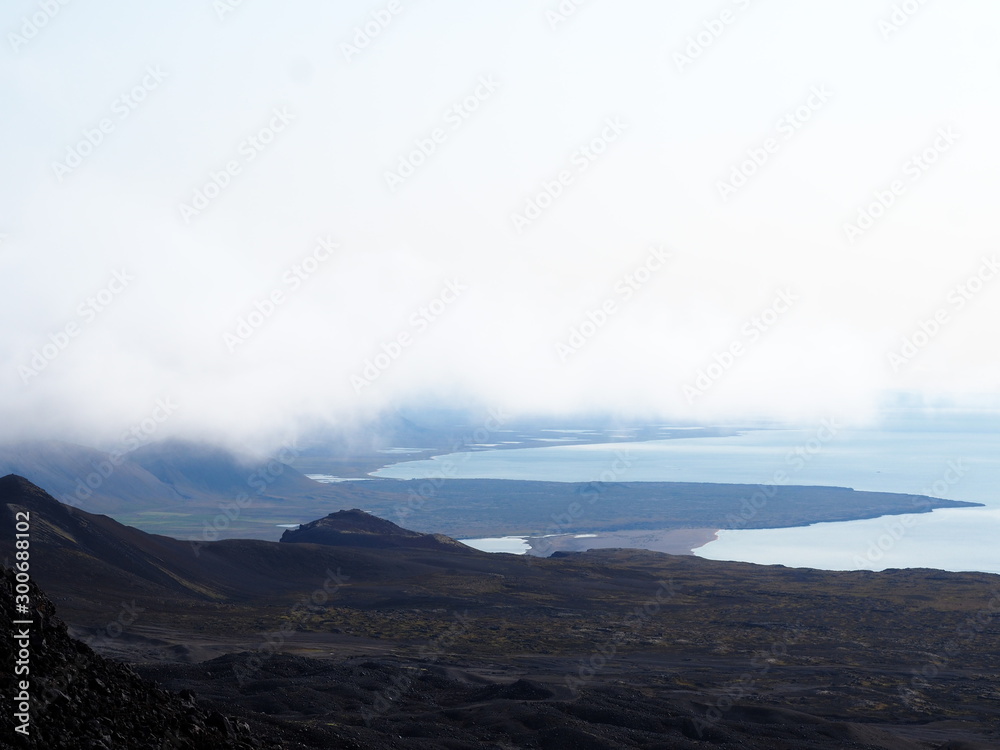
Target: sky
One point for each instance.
(245, 219)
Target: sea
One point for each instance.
(958, 463)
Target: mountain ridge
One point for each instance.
(358, 528)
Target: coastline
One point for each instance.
(368, 465)
(671, 541)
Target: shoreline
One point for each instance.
(672, 541)
(366, 465)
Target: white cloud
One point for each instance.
(324, 174)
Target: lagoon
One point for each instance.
(954, 464)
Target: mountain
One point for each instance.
(85, 477)
(391, 644)
(111, 557)
(169, 474)
(201, 469)
(122, 563)
(357, 528)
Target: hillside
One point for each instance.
(82, 700)
(400, 647)
(356, 528)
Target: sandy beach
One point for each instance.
(673, 541)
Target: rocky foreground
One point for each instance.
(82, 701)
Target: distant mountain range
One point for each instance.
(176, 473)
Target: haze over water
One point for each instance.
(958, 464)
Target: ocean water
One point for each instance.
(515, 545)
(958, 465)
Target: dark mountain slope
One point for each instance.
(356, 528)
(96, 546)
(81, 701)
(119, 562)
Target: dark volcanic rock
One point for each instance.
(356, 528)
(82, 701)
(521, 690)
